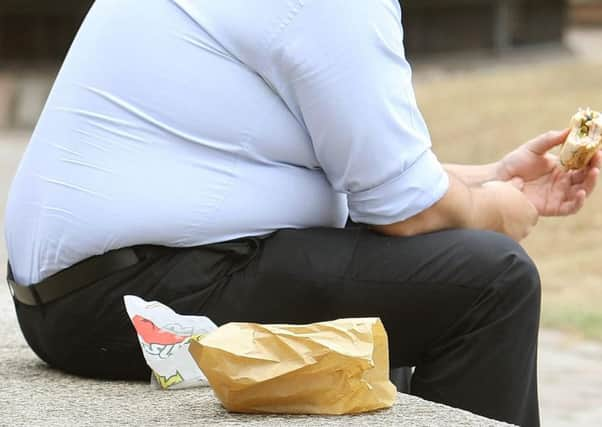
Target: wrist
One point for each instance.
(485, 214)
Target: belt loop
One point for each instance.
(36, 296)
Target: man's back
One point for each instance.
(161, 130)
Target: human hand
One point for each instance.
(517, 214)
(553, 190)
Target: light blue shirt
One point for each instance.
(187, 122)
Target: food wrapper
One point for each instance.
(165, 337)
(337, 367)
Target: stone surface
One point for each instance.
(570, 372)
(62, 400)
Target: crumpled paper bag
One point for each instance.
(337, 367)
(164, 337)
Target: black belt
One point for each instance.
(73, 278)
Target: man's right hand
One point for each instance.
(517, 215)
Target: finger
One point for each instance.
(574, 205)
(585, 179)
(596, 161)
(547, 141)
(577, 177)
(589, 183)
(518, 183)
(580, 202)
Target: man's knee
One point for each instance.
(521, 278)
(527, 274)
(513, 274)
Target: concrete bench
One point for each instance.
(33, 394)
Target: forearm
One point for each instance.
(474, 175)
(462, 206)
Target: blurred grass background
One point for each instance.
(478, 116)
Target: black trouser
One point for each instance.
(461, 306)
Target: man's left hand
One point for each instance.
(553, 190)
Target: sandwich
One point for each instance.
(584, 140)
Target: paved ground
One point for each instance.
(570, 375)
(570, 378)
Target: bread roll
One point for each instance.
(583, 141)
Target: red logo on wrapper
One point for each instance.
(156, 341)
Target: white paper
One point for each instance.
(164, 337)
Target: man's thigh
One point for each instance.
(419, 286)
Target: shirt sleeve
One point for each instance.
(340, 67)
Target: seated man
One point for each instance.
(207, 154)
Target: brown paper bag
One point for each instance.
(338, 367)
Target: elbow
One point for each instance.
(447, 213)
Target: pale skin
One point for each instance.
(507, 196)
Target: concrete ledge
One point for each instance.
(33, 394)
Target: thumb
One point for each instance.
(543, 143)
(518, 183)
